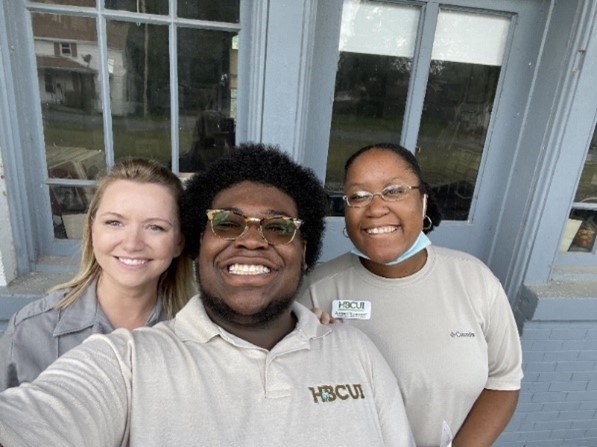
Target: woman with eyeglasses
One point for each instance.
(439, 316)
(132, 272)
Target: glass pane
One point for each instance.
(143, 6)
(218, 11)
(69, 205)
(579, 234)
(456, 114)
(68, 75)
(68, 2)
(587, 186)
(207, 84)
(461, 87)
(139, 71)
(376, 48)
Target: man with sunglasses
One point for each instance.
(242, 363)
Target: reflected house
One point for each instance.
(68, 64)
(68, 70)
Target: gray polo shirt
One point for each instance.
(38, 334)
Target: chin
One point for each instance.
(260, 318)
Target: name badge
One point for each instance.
(351, 309)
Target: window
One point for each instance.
(66, 49)
(378, 56)
(152, 78)
(447, 80)
(581, 227)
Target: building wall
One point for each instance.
(558, 399)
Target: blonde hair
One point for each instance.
(176, 285)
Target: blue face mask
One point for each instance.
(421, 242)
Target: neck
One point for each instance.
(406, 268)
(265, 335)
(125, 308)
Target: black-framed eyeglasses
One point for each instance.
(230, 225)
(391, 193)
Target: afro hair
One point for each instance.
(264, 164)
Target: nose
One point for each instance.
(378, 206)
(133, 239)
(252, 238)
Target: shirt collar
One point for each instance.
(81, 314)
(193, 324)
(86, 312)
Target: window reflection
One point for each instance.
(218, 11)
(139, 82)
(587, 186)
(141, 6)
(68, 76)
(581, 227)
(69, 2)
(456, 114)
(207, 84)
(463, 77)
(377, 42)
(371, 83)
(139, 70)
(69, 206)
(67, 60)
(580, 230)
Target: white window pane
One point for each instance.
(378, 28)
(470, 38)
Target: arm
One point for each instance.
(81, 399)
(489, 416)
(496, 404)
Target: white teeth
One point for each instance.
(244, 269)
(381, 230)
(132, 261)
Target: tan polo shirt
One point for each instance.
(189, 382)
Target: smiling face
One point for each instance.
(135, 235)
(383, 230)
(248, 282)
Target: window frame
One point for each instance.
(564, 143)
(566, 260)
(29, 203)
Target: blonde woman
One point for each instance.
(133, 272)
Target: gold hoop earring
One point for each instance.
(429, 224)
(344, 232)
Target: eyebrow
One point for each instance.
(121, 216)
(392, 181)
(269, 212)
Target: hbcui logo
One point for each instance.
(351, 305)
(329, 393)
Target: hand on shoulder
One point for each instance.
(324, 317)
